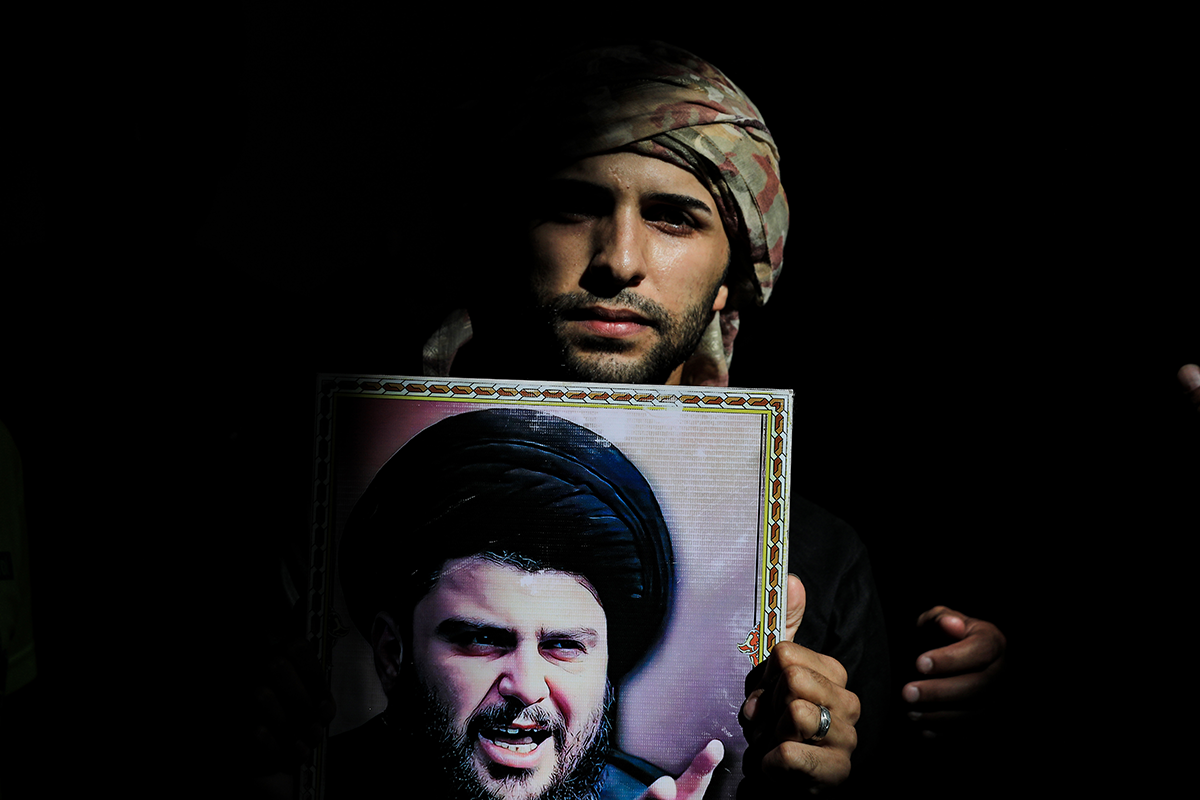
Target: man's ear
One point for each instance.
(389, 650)
(722, 298)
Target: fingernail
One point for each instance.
(924, 665)
(911, 693)
(749, 706)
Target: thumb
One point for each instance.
(797, 599)
(661, 789)
(692, 784)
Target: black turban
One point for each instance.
(515, 483)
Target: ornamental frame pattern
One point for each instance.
(771, 409)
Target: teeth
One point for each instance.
(516, 748)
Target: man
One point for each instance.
(654, 213)
(508, 568)
(648, 204)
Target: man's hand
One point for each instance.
(959, 672)
(1189, 378)
(692, 784)
(782, 714)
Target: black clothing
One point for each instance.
(843, 618)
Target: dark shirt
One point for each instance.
(843, 617)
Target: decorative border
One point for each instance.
(775, 406)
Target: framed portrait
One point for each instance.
(691, 481)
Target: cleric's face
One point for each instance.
(517, 665)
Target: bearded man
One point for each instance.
(508, 568)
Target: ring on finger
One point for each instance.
(823, 725)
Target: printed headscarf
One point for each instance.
(661, 101)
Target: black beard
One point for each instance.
(440, 745)
(587, 358)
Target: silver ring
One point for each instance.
(823, 727)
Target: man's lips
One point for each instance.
(516, 746)
(610, 322)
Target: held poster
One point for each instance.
(674, 499)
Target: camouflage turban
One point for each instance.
(664, 102)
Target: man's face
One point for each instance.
(629, 262)
(516, 665)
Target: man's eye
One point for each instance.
(481, 642)
(564, 649)
(571, 202)
(672, 217)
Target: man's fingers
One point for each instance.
(797, 600)
(953, 625)
(1189, 378)
(661, 789)
(802, 721)
(823, 765)
(694, 781)
(935, 614)
(981, 645)
(749, 708)
(778, 675)
(958, 689)
(789, 654)
(790, 708)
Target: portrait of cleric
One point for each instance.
(508, 568)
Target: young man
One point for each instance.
(640, 190)
(653, 212)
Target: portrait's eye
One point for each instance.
(483, 641)
(564, 649)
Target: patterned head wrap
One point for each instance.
(520, 484)
(661, 101)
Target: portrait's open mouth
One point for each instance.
(515, 746)
(518, 740)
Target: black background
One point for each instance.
(984, 304)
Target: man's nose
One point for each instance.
(618, 252)
(524, 677)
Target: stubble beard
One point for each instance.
(578, 771)
(596, 358)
